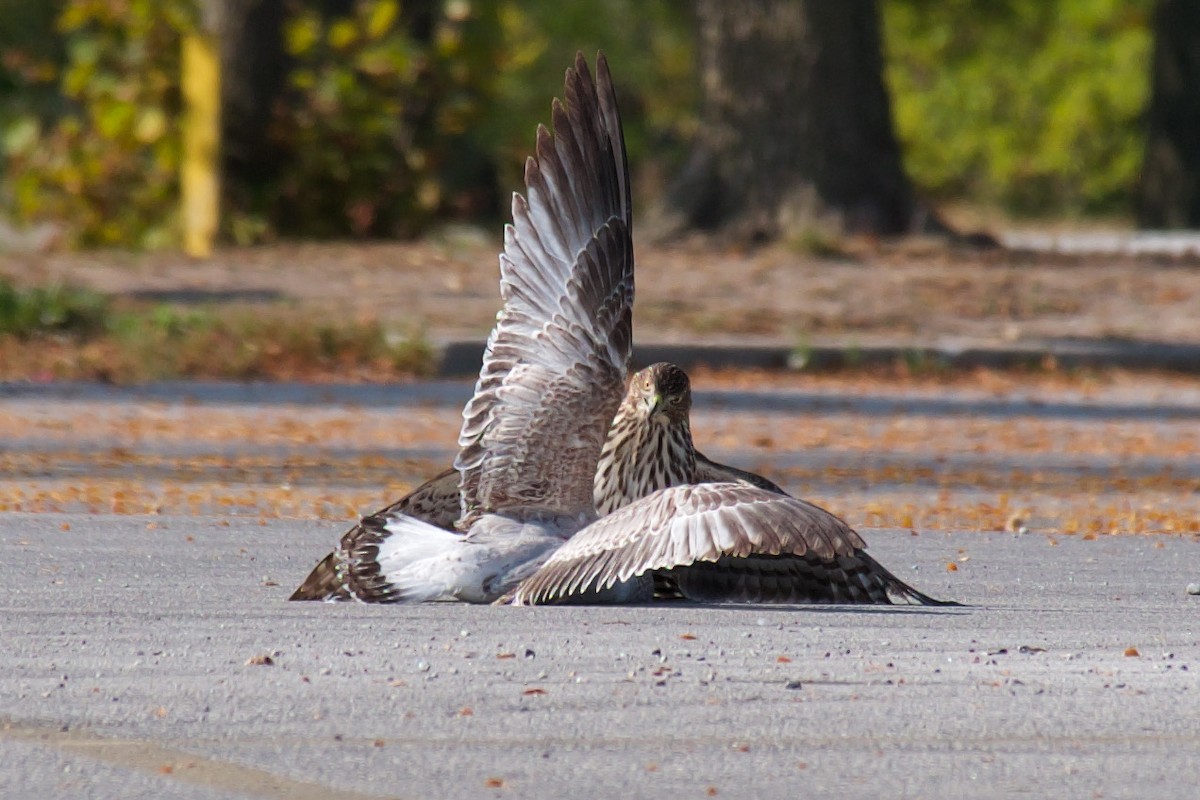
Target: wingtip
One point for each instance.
(602, 72)
(897, 589)
(581, 65)
(921, 599)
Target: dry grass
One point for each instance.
(56, 334)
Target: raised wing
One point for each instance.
(720, 541)
(554, 368)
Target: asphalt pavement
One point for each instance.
(152, 656)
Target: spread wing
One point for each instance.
(679, 526)
(554, 368)
(721, 542)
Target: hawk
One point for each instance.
(725, 536)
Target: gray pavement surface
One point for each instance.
(128, 643)
(128, 670)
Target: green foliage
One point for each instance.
(650, 47)
(388, 125)
(53, 309)
(109, 166)
(1029, 104)
(378, 120)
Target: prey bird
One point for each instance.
(552, 374)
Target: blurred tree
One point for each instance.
(107, 166)
(650, 45)
(796, 127)
(30, 55)
(1033, 106)
(254, 69)
(353, 117)
(1169, 192)
(255, 66)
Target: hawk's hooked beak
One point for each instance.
(654, 403)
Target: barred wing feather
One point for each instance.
(682, 525)
(555, 364)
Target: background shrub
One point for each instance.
(1030, 105)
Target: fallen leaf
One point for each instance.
(493, 783)
(783, 660)
(1132, 652)
(263, 660)
(951, 567)
(533, 691)
(688, 636)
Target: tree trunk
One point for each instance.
(796, 128)
(254, 80)
(1169, 190)
(254, 68)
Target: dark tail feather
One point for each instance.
(324, 582)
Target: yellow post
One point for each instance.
(200, 180)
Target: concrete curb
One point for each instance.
(462, 358)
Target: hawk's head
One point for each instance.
(661, 389)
